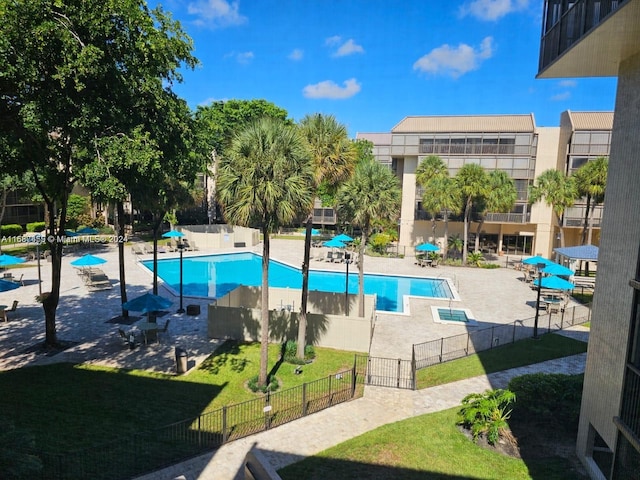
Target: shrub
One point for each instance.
(290, 349)
(549, 398)
(271, 386)
(11, 230)
(489, 266)
(486, 413)
(379, 242)
(35, 226)
(475, 258)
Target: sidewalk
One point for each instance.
(307, 436)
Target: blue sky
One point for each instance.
(373, 62)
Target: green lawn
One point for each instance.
(524, 352)
(425, 447)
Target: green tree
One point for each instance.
(500, 198)
(472, 182)
(265, 180)
(558, 191)
(333, 157)
(440, 194)
(591, 180)
(74, 71)
(372, 193)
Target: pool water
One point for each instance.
(214, 276)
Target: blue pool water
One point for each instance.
(214, 276)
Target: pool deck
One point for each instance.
(83, 317)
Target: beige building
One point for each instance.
(512, 143)
(592, 38)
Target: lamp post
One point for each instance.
(539, 266)
(347, 261)
(180, 248)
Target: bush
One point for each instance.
(486, 413)
(271, 386)
(289, 350)
(549, 398)
(379, 242)
(11, 230)
(489, 266)
(35, 226)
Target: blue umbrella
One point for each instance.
(147, 303)
(6, 260)
(173, 234)
(343, 237)
(427, 247)
(554, 283)
(87, 231)
(5, 286)
(70, 233)
(557, 269)
(537, 259)
(334, 243)
(88, 261)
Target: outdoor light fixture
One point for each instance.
(347, 260)
(180, 248)
(539, 266)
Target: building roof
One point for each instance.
(375, 138)
(466, 123)
(591, 120)
(581, 252)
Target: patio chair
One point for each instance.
(19, 280)
(338, 257)
(137, 250)
(164, 330)
(128, 339)
(434, 262)
(329, 257)
(4, 313)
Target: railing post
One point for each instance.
(414, 380)
(329, 390)
(398, 373)
(515, 325)
(304, 399)
(468, 339)
(225, 433)
(441, 347)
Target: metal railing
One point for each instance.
(630, 411)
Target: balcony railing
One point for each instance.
(324, 216)
(507, 217)
(574, 216)
(468, 149)
(630, 411)
(574, 23)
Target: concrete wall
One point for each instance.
(237, 315)
(617, 264)
(220, 236)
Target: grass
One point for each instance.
(524, 352)
(425, 447)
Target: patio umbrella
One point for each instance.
(554, 283)
(343, 237)
(147, 303)
(87, 231)
(557, 269)
(334, 243)
(71, 233)
(5, 286)
(427, 247)
(6, 260)
(173, 234)
(537, 259)
(88, 261)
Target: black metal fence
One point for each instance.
(386, 372)
(457, 346)
(147, 451)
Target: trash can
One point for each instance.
(181, 360)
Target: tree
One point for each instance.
(591, 180)
(558, 191)
(333, 157)
(440, 193)
(472, 182)
(372, 193)
(500, 198)
(265, 180)
(74, 71)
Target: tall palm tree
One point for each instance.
(439, 193)
(372, 194)
(558, 191)
(265, 180)
(333, 157)
(472, 182)
(500, 198)
(591, 180)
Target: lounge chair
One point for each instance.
(137, 250)
(338, 257)
(329, 257)
(189, 245)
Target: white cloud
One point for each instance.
(296, 54)
(240, 57)
(567, 83)
(561, 96)
(335, 40)
(216, 13)
(492, 10)
(455, 61)
(329, 89)
(348, 48)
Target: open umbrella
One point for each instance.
(88, 261)
(557, 269)
(147, 303)
(6, 260)
(87, 231)
(71, 233)
(427, 247)
(334, 243)
(343, 237)
(536, 260)
(5, 286)
(173, 234)
(554, 283)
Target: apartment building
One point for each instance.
(512, 143)
(590, 38)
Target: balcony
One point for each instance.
(574, 216)
(507, 217)
(630, 411)
(324, 216)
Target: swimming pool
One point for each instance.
(214, 276)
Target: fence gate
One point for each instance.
(387, 372)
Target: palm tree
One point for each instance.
(373, 193)
(472, 182)
(333, 157)
(265, 180)
(500, 198)
(455, 243)
(558, 191)
(591, 180)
